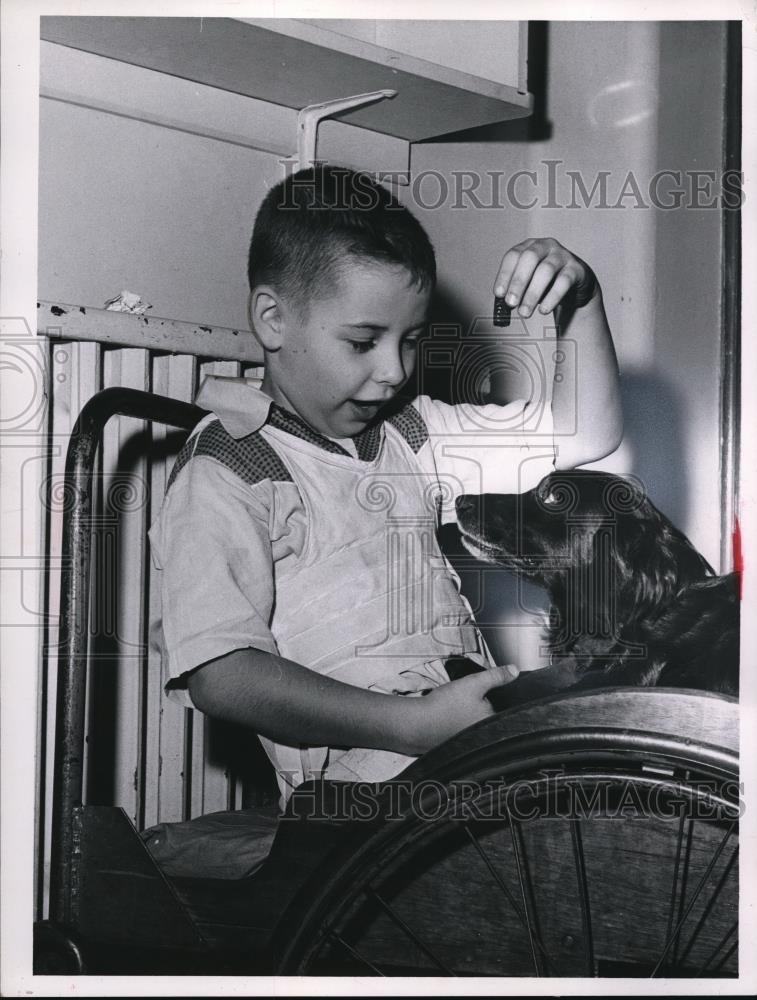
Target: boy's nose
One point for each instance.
(391, 370)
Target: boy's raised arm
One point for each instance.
(586, 396)
(541, 274)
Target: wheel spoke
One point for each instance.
(710, 903)
(508, 895)
(394, 916)
(676, 869)
(721, 943)
(524, 880)
(684, 884)
(676, 931)
(583, 894)
(693, 889)
(727, 955)
(355, 953)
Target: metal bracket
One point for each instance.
(310, 117)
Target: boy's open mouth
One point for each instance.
(368, 406)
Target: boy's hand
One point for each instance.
(541, 272)
(447, 709)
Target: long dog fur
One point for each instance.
(633, 602)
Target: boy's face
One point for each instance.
(353, 351)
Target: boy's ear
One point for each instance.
(265, 316)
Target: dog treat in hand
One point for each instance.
(501, 311)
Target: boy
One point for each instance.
(303, 588)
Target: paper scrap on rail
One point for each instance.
(127, 302)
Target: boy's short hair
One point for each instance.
(315, 221)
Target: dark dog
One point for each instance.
(633, 603)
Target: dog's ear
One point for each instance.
(606, 590)
(653, 577)
(635, 565)
(660, 562)
(692, 566)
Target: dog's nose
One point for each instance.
(468, 511)
(465, 503)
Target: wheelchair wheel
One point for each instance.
(577, 837)
(56, 951)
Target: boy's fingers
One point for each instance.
(543, 277)
(506, 270)
(563, 283)
(494, 677)
(509, 671)
(527, 264)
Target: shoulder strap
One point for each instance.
(251, 458)
(411, 426)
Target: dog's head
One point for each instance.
(593, 526)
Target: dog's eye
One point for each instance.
(551, 498)
(558, 496)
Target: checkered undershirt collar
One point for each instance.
(243, 408)
(367, 442)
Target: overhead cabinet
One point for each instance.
(449, 75)
(160, 136)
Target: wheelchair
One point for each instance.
(584, 835)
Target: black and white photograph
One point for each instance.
(379, 508)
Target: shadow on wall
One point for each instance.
(654, 438)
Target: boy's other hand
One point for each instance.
(447, 709)
(541, 272)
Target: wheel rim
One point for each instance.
(488, 907)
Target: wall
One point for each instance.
(633, 97)
(151, 182)
(155, 211)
